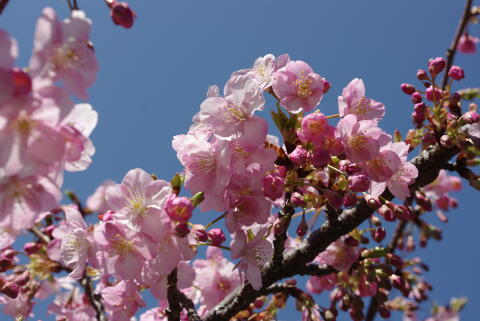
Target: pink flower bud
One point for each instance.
(418, 117)
(395, 260)
(420, 108)
(456, 73)
(359, 182)
(22, 83)
(402, 212)
(379, 234)
(436, 65)
(273, 186)
(179, 208)
(372, 202)
(467, 44)
(10, 289)
(319, 157)
(217, 237)
(387, 213)
(416, 97)
(326, 86)
(182, 229)
(407, 88)
(202, 235)
(122, 14)
(31, 247)
(446, 141)
(6, 263)
(422, 74)
(471, 117)
(297, 200)
(299, 156)
(433, 94)
(302, 228)
(258, 303)
(423, 202)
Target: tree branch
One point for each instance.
(428, 162)
(3, 4)
(453, 47)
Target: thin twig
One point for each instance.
(3, 4)
(94, 300)
(453, 47)
(174, 306)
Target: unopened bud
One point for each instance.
(379, 234)
(297, 200)
(122, 14)
(372, 202)
(182, 229)
(22, 83)
(407, 88)
(422, 74)
(416, 97)
(6, 263)
(456, 73)
(436, 65)
(302, 228)
(10, 289)
(471, 117)
(326, 86)
(31, 247)
(217, 237)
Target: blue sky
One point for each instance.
(153, 78)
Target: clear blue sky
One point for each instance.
(153, 77)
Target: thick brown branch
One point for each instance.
(453, 47)
(429, 163)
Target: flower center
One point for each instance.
(302, 86)
(121, 245)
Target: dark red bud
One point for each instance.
(122, 14)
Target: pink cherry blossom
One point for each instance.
(405, 175)
(77, 241)
(216, 277)
(264, 67)
(232, 117)
(63, 51)
(318, 284)
(73, 306)
(207, 167)
(122, 300)
(298, 87)
(383, 166)
(124, 250)
(97, 202)
(254, 254)
(339, 256)
(139, 199)
(353, 101)
(361, 139)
